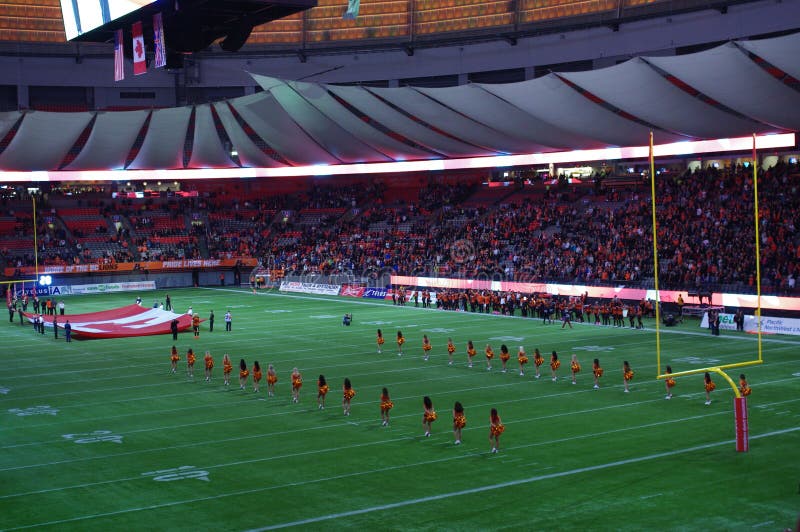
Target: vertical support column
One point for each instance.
(742, 432)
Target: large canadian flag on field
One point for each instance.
(139, 64)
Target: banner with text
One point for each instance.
(112, 287)
(768, 325)
(310, 288)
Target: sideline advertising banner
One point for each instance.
(768, 325)
(112, 287)
(310, 288)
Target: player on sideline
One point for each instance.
(489, 356)
(227, 367)
(710, 387)
(386, 405)
(209, 365)
(243, 373)
(522, 358)
(347, 393)
(538, 360)
(451, 348)
(470, 353)
(555, 363)
(272, 378)
(428, 416)
(426, 347)
(744, 388)
(322, 391)
(627, 375)
(597, 371)
(575, 366)
(174, 357)
(496, 428)
(459, 421)
(190, 360)
(256, 376)
(669, 384)
(297, 383)
(504, 356)
(380, 341)
(400, 341)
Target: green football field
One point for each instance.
(99, 435)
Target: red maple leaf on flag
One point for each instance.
(138, 49)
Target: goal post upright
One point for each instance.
(655, 255)
(757, 222)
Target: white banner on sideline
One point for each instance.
(768, 325)
(112, 287)
(310, 288)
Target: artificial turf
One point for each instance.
(190, 455)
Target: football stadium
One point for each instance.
(400, 264)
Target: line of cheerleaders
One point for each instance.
(429, 414)
(496, 426)
(555, 364)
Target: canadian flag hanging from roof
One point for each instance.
(139, 64)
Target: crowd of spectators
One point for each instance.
(581, 235)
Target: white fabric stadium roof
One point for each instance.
(732, 90)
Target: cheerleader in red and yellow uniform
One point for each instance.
(744, 388)
(555, 363)
(196, 325)
(348, 394)
(386, 405)
(297, 383)
(450, 350)
(426, 347)
(459, 421)
(522, 358)
(597, 371)
(496, 428)
(174, 357)
(575, 366)
(322, 391)
(669, 383)
(627, 375)
(256, 376)
(538, 360)
(710, 387)
(380, 341)
(504, 356)
(190, 360)
(272, 378)
(400, 341)
(208, 361)
(489, 356)
(243, 373)
(428, 416)
(227, 367)
(470, 353)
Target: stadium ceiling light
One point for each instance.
(740, 144)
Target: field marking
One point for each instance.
(512, 483)
(408, 502)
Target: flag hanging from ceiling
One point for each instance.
(352, 9)
(139, 64)
(158, 38)
(119, 59)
